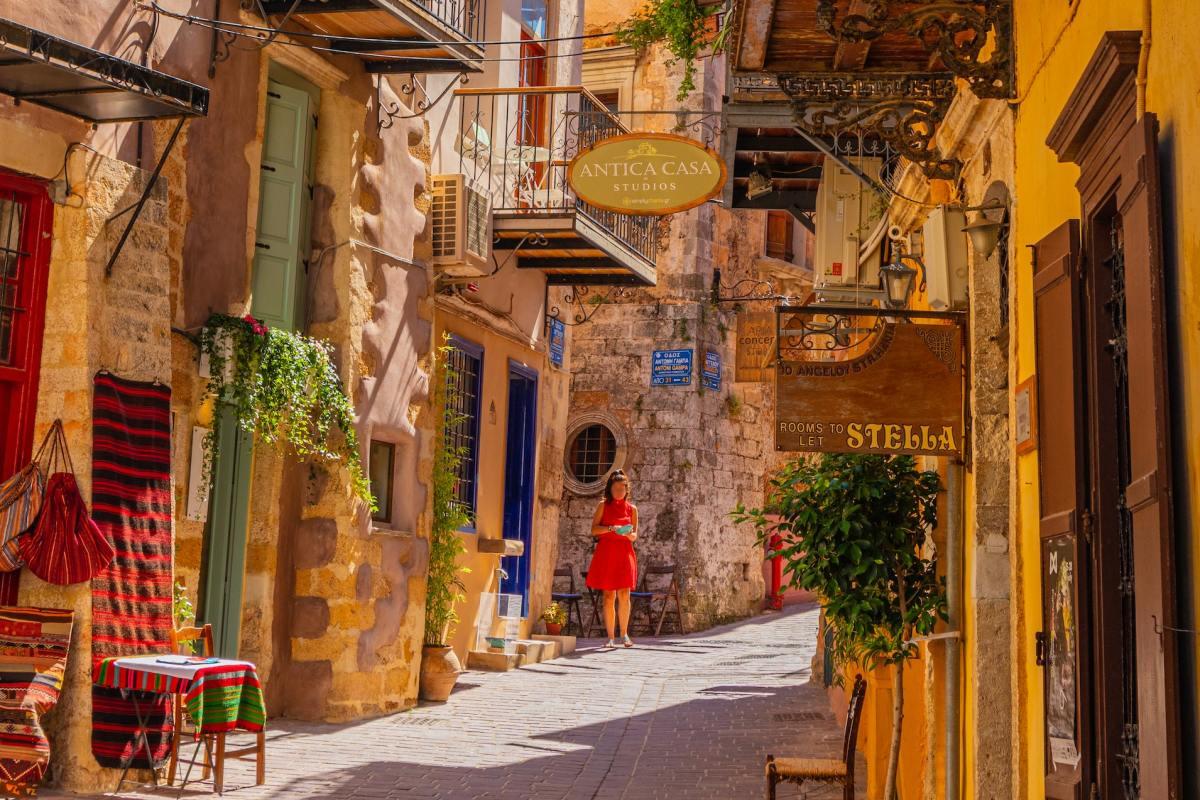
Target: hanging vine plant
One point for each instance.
(682, 27)
(282, 387)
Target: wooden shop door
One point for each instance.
(519, 461)
(26, 216)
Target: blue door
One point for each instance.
(519, 459)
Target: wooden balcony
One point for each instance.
(417, 36)
(514, 146)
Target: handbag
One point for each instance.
(65, 545)
(20, 501)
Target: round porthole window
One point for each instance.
(595, 447)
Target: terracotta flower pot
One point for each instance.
(554, 628)
(439, 672)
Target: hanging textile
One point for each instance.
(64, 545)
(33, 659)
(20, 501)
(131, 599)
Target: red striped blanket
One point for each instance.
(131, 599)
(219, 698)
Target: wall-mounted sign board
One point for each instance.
(646, 174)
(671, 368)
(710, 375)
(558, 341)
(1025, 419)
(899, 391)
(755, 347)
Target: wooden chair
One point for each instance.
(596, 599)
(645, 598)
(215, 754)
(571, 598)
(823, 770)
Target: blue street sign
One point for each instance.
(558, 342)
(671, 368)
(710, 377)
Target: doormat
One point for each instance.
(131, 599)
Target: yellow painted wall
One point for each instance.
(499, 350)
(1053, 46)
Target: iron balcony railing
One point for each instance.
(515, 145)
(464, 17)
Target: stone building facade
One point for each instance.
(692, 453)
(330, 601)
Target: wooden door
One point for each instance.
(1063, 511)
(225, 536)
(282, 241)
(779, 235)
(26, 215)
(519, 460)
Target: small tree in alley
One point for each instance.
(854, 529)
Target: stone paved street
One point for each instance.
(679, 717)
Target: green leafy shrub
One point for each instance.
(555, 614)
(282, 386)
(854, 530)
(681, 26)
(444, 586)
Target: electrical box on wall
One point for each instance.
(848, 213)
(946, 259)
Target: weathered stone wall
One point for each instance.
(692, 454)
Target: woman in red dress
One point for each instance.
(614, 564)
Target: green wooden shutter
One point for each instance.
(283, 209)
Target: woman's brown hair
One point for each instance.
(617, 475)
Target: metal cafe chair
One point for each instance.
(645, 599)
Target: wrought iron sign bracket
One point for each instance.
(955, 30)
(585, 301)
(745, 290)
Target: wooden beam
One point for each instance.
(318, 6)
(774, 144)
(423, 65)
(852, 56)
(755, 34)
(800, 199)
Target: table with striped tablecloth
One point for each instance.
(220, 694)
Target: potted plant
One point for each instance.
(443, 585)
(853, 530)
(555, 616)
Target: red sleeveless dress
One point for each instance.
(614, 564)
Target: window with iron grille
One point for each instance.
(463, 398)
(11, 226)
(592, 453)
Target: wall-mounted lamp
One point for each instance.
(897, 280)
(983, 231)
(761, 182)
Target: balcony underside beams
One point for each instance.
(571, 249)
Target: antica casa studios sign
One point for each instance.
(902, 395)
(646, 173)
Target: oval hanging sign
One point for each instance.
(646, 174)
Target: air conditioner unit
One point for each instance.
(848, 219)
(945, 259)
(462, 226)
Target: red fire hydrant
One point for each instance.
(775, 598)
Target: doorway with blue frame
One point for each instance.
(519, 460)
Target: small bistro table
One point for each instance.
(221, 695)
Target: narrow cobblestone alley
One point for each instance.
(678, 717)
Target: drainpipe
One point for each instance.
(954, 536)
(1143, 69)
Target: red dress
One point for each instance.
(614, 564)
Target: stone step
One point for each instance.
(566, 644)
(490, 661)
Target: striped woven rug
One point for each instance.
(131, 599)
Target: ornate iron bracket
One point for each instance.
(957, 30)
(742, 291)
(824, 332)
(585, 301)
(901, 111)
(390, 111)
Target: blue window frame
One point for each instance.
(464, 398)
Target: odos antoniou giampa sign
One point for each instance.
(646, 174)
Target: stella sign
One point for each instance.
(646, 174)
(900, 393)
